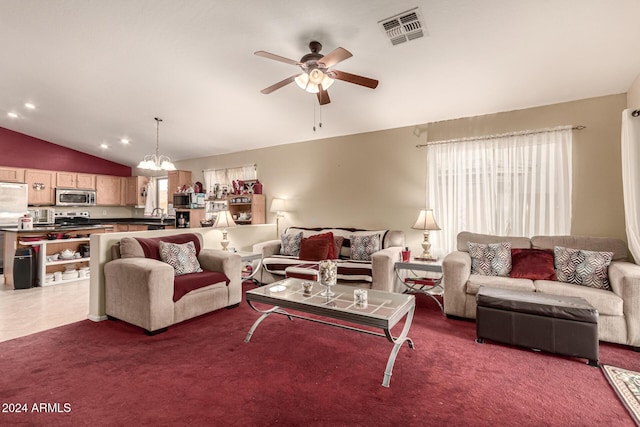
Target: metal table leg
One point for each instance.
(397, 344)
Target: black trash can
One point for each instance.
(23, 269)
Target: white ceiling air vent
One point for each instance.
(403, 27)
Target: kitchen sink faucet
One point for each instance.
(162, 215)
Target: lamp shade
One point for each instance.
(224, 220)
(278, 205)
(426, 221)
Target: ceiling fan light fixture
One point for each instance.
(311, 81)
(315, 76)
(302, 81)
(327, 82)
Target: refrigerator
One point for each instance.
(13, 205)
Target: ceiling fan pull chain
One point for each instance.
(314, 116)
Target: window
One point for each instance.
(224, 177)
(162, 193)
(510, 185)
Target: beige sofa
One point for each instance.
(619, 309)
(140, 289)
(377, 273)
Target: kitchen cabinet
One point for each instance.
(109, 190)
(83, 181)
(134, 187)
(189, 218)
(247, 208)
(11, 174)
(177, 179)
(121, 228)
(40, 185)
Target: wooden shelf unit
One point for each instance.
(251, 204)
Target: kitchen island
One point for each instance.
(43, 243)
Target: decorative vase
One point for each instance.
(327, 276)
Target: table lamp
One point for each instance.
(426, 221)
(278, 206)
(224, 220)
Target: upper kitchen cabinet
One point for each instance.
(83, 181)
(177, 179)
(135, 190)
(11, 174)
(40, 185)
(109, 190)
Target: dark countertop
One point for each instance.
(50, 228)
(140, 221)
(94, 224)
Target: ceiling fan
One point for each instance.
(317, 75)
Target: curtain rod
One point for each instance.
(501, 135)
(218, 169)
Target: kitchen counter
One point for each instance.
(36, 238)
(60, 229)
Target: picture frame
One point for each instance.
(249, 185)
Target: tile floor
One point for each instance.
(27, 311)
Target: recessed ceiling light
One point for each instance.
(12, 115)
(29, 105)
(124, 140)
(104, 146)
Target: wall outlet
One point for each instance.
(104, 211)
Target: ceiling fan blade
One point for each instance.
(353, 78)
(276, 57)
(335, 56)
(323, 96)
(278, 85)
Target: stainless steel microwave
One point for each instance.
(183, 200)
(75, 197)
(188, 200)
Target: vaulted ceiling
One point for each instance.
(100, 71)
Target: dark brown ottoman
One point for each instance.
(553, 323)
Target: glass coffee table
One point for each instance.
(382, 310)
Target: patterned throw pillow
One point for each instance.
(290, 244)
(582, 267)
(493, 259)
(362, 247)
(182, 257)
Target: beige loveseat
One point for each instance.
(139, 288)
(375, 273)
(618, 308)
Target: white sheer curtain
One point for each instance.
(511, 185)
(243, 173)
(225, 176)
(630, 147)
(213, 177)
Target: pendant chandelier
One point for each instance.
(156, 162)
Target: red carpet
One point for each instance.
(298, 373)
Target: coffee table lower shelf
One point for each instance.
(383, 310)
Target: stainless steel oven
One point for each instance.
(75, 197)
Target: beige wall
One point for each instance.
(633, 96)
(377, 179)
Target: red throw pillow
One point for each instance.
(329, 237)
(314, 249)
(534, 264)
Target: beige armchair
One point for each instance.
(140, 289)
